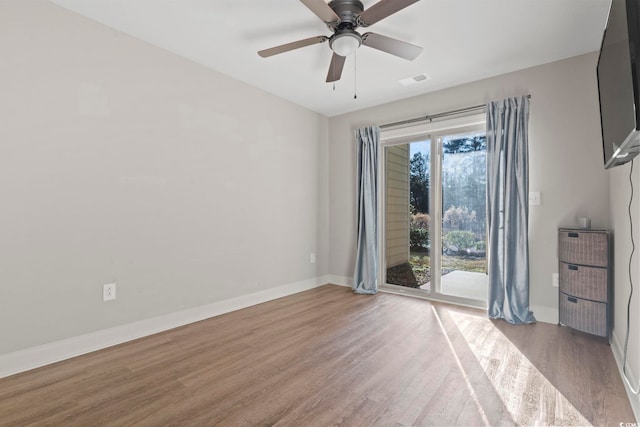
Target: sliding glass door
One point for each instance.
(434, 221)
(463, 169)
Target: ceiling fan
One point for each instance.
(343, 17)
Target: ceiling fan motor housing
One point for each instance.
(348, 11)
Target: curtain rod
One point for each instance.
(435, 116)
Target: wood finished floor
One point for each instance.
(329, 357)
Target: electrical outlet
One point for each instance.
(109, 292)
(312, 258)
(555, 280)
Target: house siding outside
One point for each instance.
(397, 205)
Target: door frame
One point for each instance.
(435, 132)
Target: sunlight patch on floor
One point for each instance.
(461, 368)
(528, 396)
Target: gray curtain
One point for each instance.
(508, 209)
(365, 277)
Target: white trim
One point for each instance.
(435, 213)
(381, 210)
(339, 280)
(34, 357)
(439, 298)
(634, 399)
(434, 132)
(545, 314)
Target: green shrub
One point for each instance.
(419, 231)
(418, 238)
(459, 240)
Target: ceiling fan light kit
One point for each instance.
(345, 42)
(343, 17)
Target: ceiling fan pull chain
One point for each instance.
(355, 77)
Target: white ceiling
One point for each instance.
(463, 40)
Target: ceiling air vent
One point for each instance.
(408, 81)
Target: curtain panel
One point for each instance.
(508, 209)
(365, 277)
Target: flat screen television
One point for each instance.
(618, 83)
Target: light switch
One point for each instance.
(534, 198)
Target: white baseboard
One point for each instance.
(34, 357)
(634, 399)
(545, 314)
(339, 280)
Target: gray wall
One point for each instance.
(621, 231)
(122, 162)
(565, 160)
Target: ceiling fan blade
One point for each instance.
(291, 46)
(335, 68)
(382, 9)
(390, 45)
(322, 10)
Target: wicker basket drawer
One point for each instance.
(584, 282)
(583, 247)
(583, 315)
